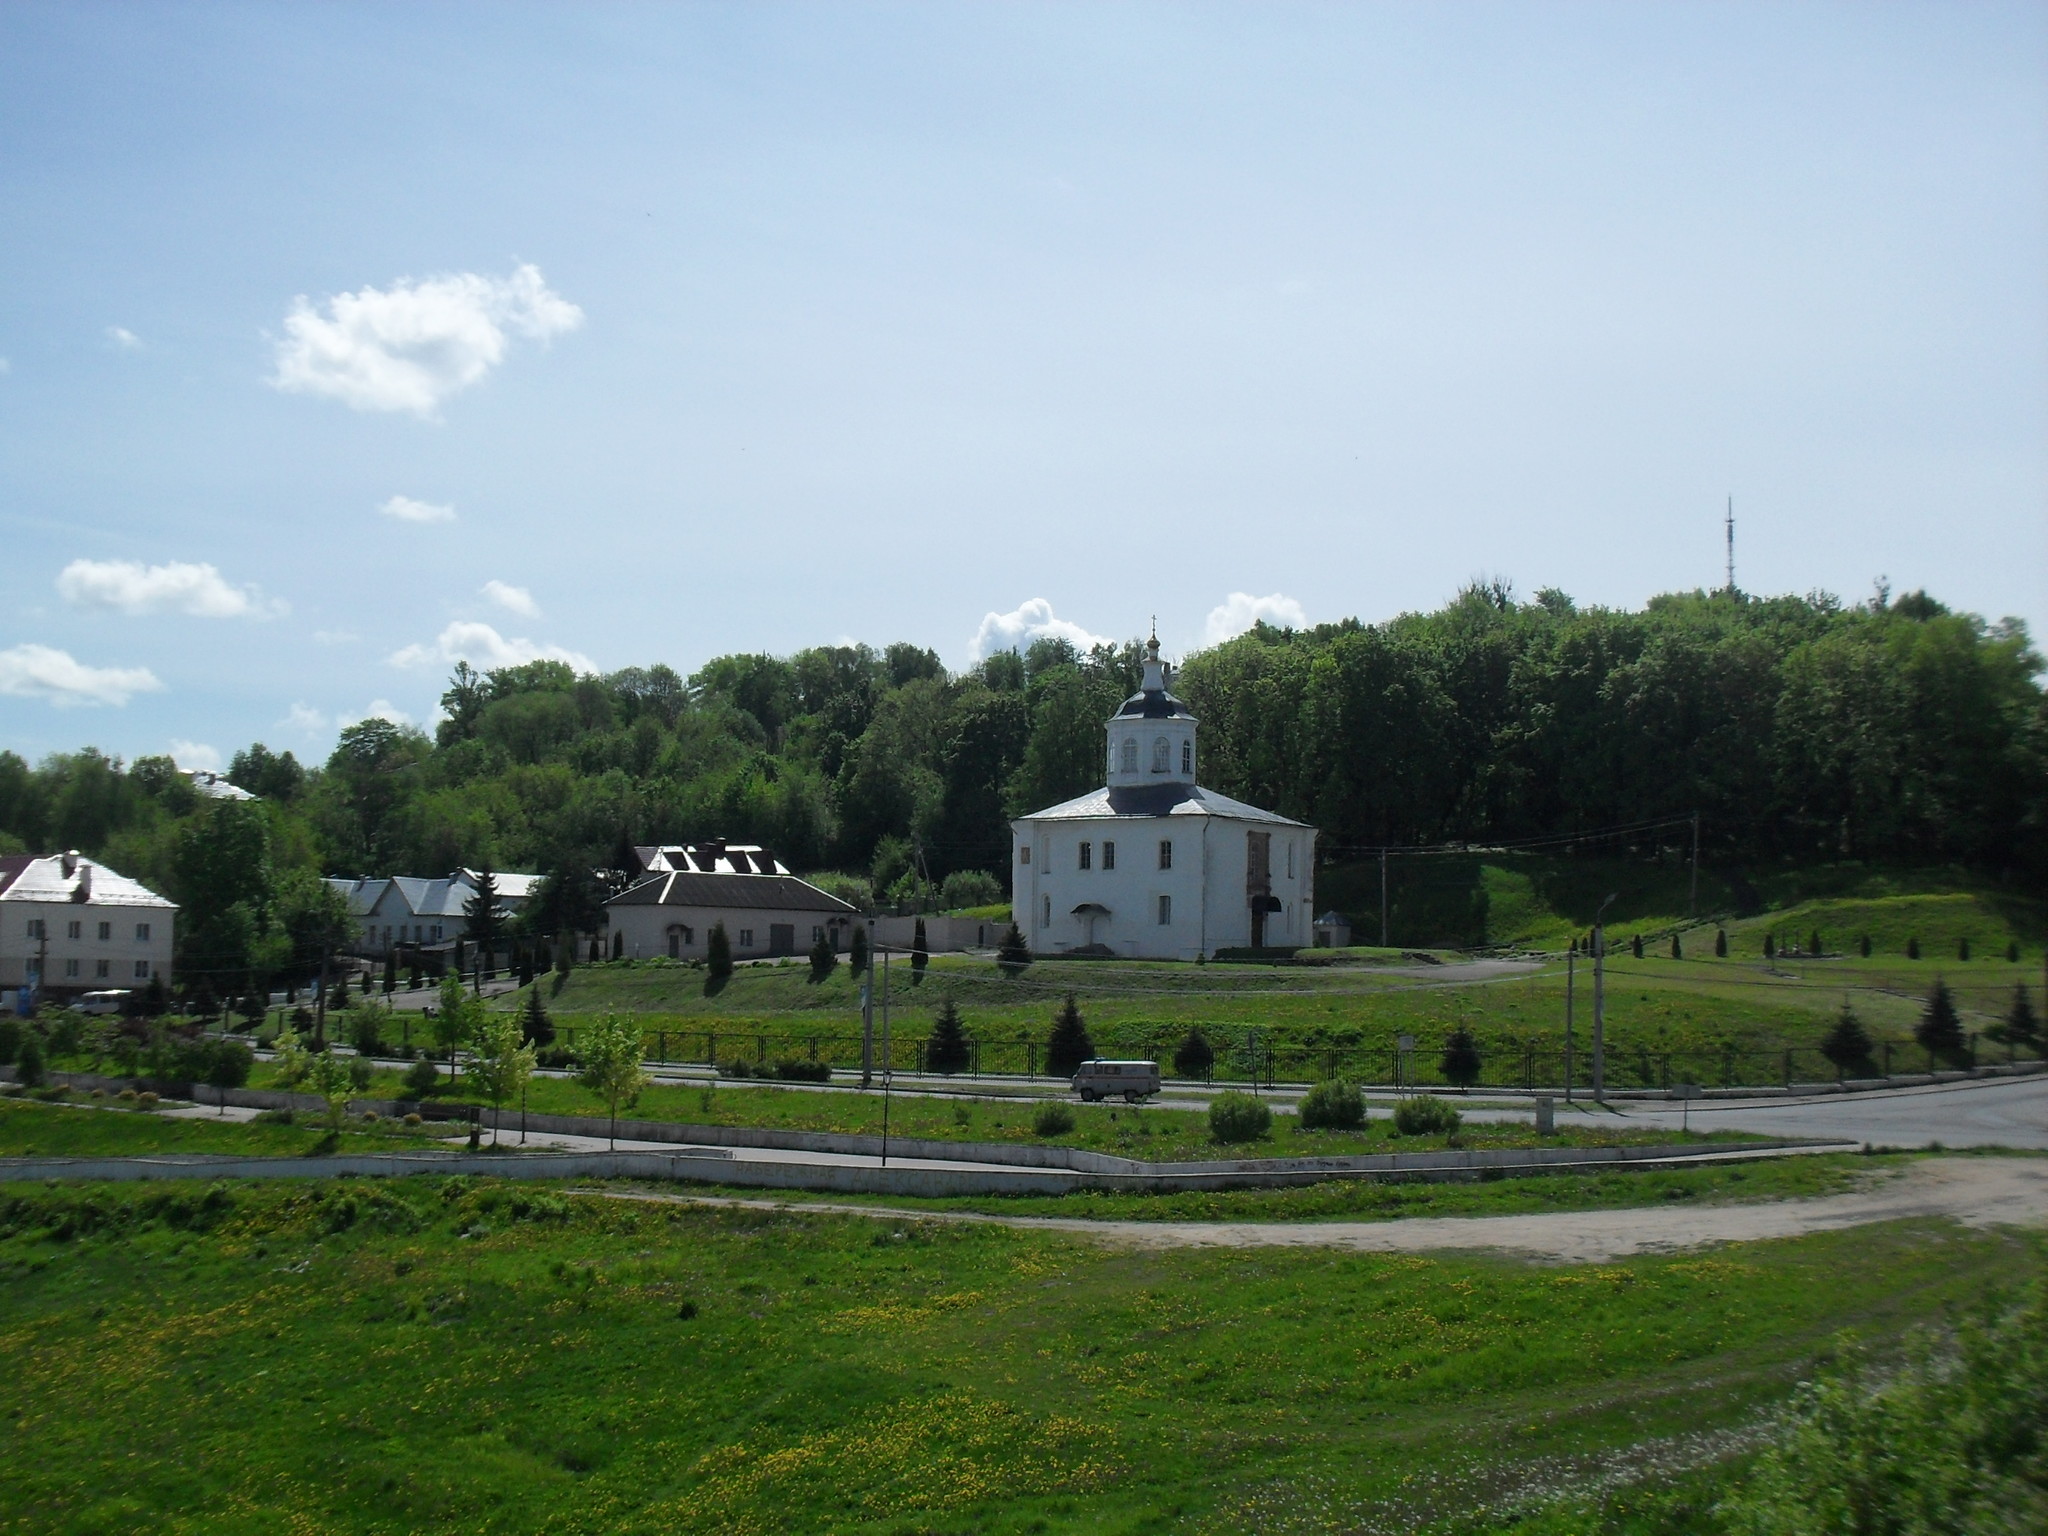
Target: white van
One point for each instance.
(1100, 1079)
(102, 1002)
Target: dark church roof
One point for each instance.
(1156, 800)
(1153, 704)
(778, 893)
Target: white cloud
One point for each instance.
(336, 636)
(1025, 623)
(406, 510)
(124, 338)
(483, 647)
(377, 709)
(1240, 611)
(304, 717)
(40, 672)
(412, 345)
(195, 754)
(514, 599)
(130, 587)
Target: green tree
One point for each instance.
(1847, 1045)
(1913, 947)
(1940, 1030)
(484, 918)
(857, 958)
(390, 972)
(1013, 954)
(717, 957)
(535, 1027)
(1069, 1044)
(947, 1050)
(455, 1020)
(1677, 950)
(28, 1061)
(920, 954)
(327, 1075)
(501, 1063)
(1635, 946)
(228, 1063)
(2020, 1026)
(1194, 1056)
(1460, 1064)
(610, 1052)
(824, 959)
(1333, 1106)
(1721, 943)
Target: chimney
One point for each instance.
(83, 890)
(70, 862)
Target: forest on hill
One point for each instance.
(1799, 729)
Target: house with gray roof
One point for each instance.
(766, 910)
(411, 913)
(69, 924)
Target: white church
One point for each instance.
(1154, 866)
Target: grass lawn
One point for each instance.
(427, 1355)
(32, 1129)
(1156, 1135)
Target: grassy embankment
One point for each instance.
(1697, 1018)
(442, 1354)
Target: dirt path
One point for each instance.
(1977, 1191)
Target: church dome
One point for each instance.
(1152, 701)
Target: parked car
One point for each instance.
(103, 1002)
(1099, 1079)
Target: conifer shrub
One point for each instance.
(421, 1078)
(1426, 1115)
(1013, 955)
(824, 959)
(1461, 1063)
(717, 958)
(1963, 947)
(1770, 947)
(1913, 947)
(1239, 1117)
(1677, 949)
(1863, 947)
(28, 1060)
(2012, 950)
(1194, 1056)
(1333, 1106)
(1635, 946)
(947, 1050)
(1069, 1043)
(1721, 943)
(1848, 1045)
(792, 1069)
(737, 1066)
(1940, 1030)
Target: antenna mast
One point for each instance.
(1731, 545)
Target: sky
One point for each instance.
(342, 342)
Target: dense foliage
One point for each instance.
(1797, 727)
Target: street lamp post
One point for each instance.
(1600, 1000)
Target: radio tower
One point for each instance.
(1731, 545)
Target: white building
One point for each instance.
(1153, 865)
(407, 912)
(766, 910)
(80, 927)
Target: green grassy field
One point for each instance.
(31, 1129)
(434, 1355)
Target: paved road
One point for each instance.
(1976, 1191)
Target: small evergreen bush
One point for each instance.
(1237, 1117)
(1940, 1030)
(1194, 1056)
(421, 1078)
(1848, 1044)
(1913, 947)
(1426, 1115)
(738, 1066)
(1721, 943)
(1052, 1118)
(794, 1070)
(947, 1050)
(1461, 1062)
(1069, 1043)
(1333, 1106)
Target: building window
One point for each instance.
(1166, 853)
(142, 933)
(1087, 855)
(1045, 914)
(746, 938)
(106, 931)
(1023, 855)
(1187, 759)
(437, 933)
(1165, 910)
(817, 935)
(142, 970)
(1109, 855)
(1290, 861)
(100, 969)
(70, 967)
(35, 927)
(1159, 750)
(74, 930)
(1130, 754)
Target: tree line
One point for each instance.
(1798, 728)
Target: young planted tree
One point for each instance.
(1461, 1061)
(1635, 946)
(619, 945)
(1913, 947)
(824, 960)
(535, 1027)
(717, 957)
(1677, 949)
(920, 954)
(1194, 1056)
(1720, 943)
(1863, 946)
(596, 950)
(565, 952)
(610, 1053)
(2012, 950)
(1013, 954)
(227, 1066)
(1940, 1030)
(857, 955)
(390, 972)
(1963, 948)
(485, 919)
(1770, 946)
(328, 1076)
(454, 1019)
(28, 1061)
(363, 979)
(1069, 1044)
(502, 1062)
(947, 1051)
(526, 965)
(1847, 1045)
(2020, 1026)
(1813, 942)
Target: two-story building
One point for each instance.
(69, 924)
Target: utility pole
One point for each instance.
(867, 1014)
(888, 1060)
(1600, 1000)
(1571, 957)
(1383, 898)
(1731, 546)
(1692, 903)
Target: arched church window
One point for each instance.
(1159, 750)
(1130, 754)
(1187, 759)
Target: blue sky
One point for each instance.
(342, 341)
